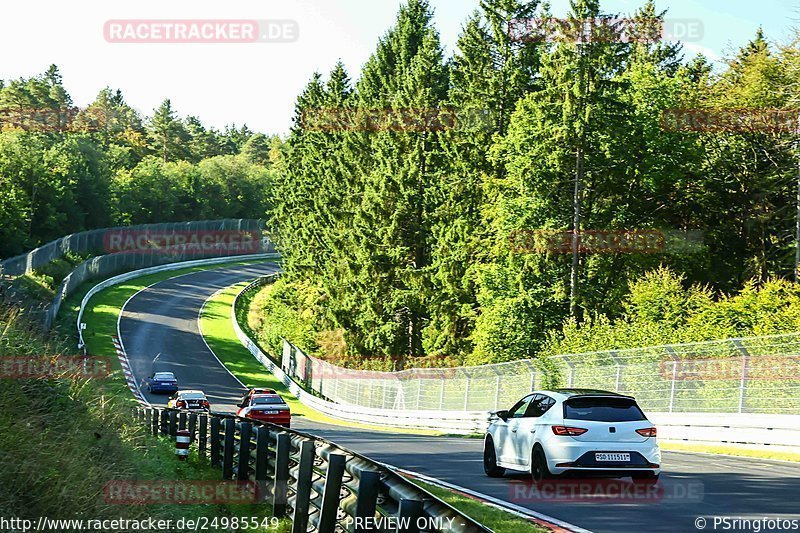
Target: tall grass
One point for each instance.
(62, 440)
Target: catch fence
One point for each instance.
(107, 264)
(748, 375)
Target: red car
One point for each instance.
(252, 391)
(269, 408)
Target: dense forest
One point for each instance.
(64, 169)
(399, 241)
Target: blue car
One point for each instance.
(162, 382)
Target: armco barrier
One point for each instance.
(321, 486)
(779, 432)
(103, 266)
(776, 432)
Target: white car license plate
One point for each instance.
(270, 412)
(613, 457)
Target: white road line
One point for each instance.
(200, 329)
(122, 312)
(730, 456)
(119, 321)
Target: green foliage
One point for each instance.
(407, 234)
(663, 309)
(91, 418)
(289, 307)
(64, 170)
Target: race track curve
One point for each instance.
(163, 319)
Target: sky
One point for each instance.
(257, 83)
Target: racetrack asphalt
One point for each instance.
(164, 319)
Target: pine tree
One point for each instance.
(167, 133)
(492, 69)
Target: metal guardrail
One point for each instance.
(321, 486)
(92, 241)
(457, 422)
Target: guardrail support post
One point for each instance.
(571, 378)
(182, 421)
(227, 448)
(216, 449)
(163, 422)
(366, 504)
(243, 463)
(262, 462)
(618, 381)
(410, 510)
(148, 418)
(441, 391)
(330, 496)
(193, 426)
(280, 484)
(497, 393)
(466, 391)
(154, 423)
(202, 437)
(173, 424)
(303, 489)
(674, 383)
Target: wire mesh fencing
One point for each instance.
(131, 248)
(748, 375)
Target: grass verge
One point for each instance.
(62, 440)
(730, 450)
(103, 309)
(495, 519)
(217, 329)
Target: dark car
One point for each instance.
(163, 382)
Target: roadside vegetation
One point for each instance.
(217, 329)
(495, 519)
(41, 284)
(64, 169)
(62, 440)
(402, 247)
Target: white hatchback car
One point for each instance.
(189, 400)
(588, 432)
